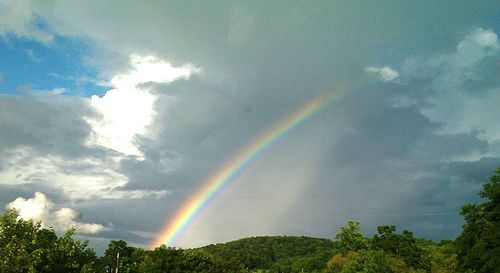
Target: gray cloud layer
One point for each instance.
(408, 151)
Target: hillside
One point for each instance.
(269, 252)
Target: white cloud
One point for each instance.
(484, 38)
(385, 73)
(40, 208)
(474, 47)
(128, 108)
(465, 94)
(151, 69)
(467, 112)
(451, 71)
(36, 208)
(18, 17)
(78, 178)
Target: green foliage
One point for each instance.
(27, 247)
(165, 259)
(275, 253)
(369, 261)
(386, 252)
(72, 256)
(478, 247)
(351, 238)
(402, 245)
(441, 256)
(126, 263)
(339, 260)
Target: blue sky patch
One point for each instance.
(27, 64)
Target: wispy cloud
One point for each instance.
(19, 18)
(33, 56)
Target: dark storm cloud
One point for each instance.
(382, 166)
(378, 168)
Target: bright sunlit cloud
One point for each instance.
(127, 109)
(151, 69)
(40, 208)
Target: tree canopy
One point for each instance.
(27, 247)
(478, 247)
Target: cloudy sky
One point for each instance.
(114, 113)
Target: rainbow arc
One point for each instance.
(227, 173)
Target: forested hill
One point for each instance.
(274, 251)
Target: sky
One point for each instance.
(115, 114)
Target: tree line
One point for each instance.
(25, 246)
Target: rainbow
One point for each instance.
(214, 185)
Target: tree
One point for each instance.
(72, 256)
(338, 261)
(441, 256)
(478, 246)
(17, 244)
(272, 253)
(125, 262)
(351, 238)
(27, 247)
(348, 247)
(369, 261)
(402, 245)
(166, 259)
